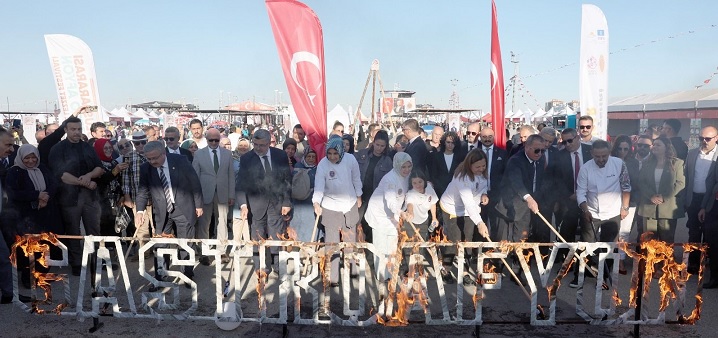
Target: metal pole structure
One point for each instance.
(515, 61)
(639, 290)
(373, 96)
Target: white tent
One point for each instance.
(140, 114)
(528, 114)
(509, 115)
(551, 112)
(540, 113)
(337, 114)
(569, 111)
(121, 112)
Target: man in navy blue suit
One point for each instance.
(264, 193)
(416, 147)
(172, 183)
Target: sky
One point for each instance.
(207, 52)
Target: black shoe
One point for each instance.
(574, 282)
(153, 288)
(447, 277)
(334, 284)
(205, 261)
(693, 269)
(468, 280)
(712, 284)
(8, 299)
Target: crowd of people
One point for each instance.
(463, 186)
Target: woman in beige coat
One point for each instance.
(661, 183)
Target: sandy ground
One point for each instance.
(505, 305)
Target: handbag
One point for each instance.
(122, 219)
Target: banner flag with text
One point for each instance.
(74, 71)
(593, 68)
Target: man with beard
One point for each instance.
(197, 130)
(75, 165)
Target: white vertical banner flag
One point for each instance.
(74, 71)
(593, 77)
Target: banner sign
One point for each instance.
(593, 68)
(74, 72)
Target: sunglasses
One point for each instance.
(641, 145)
(212, 140)
(565, 142)
(472, 133)
(169, 139)
(140, 142)
(707, 139)
(536, 151)
(585, 127)
(123, 146)
(623, 149)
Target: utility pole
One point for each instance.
(454, 99)
(514, 79)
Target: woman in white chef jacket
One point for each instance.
(461, 205)
(384, 211)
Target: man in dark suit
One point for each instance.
(416, 147)
(569, 161)
(264, 193)
(172, 184)
(496, 168)
(472, 138)
(670, 129)
(173, 145)
(521, 191)
(541, 233)
(524, 132)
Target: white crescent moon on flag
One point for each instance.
(494, 75)
(304, 57)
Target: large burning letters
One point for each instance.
(300, 291)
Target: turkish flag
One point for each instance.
(497, 84)
(300, 44)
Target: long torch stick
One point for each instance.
(558, 235)
(314, 234)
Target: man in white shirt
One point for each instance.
(603, 192)
(197, 130)
(698, 164)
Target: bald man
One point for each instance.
(699, 162)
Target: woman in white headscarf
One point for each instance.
(30, 190)
(385, 209)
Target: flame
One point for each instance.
(616, 299)
(290, 235)
(659, 255)
(30, 245)
(164, 235)
(261, 284)
(361, 238)
(488, 268)
(439, 237)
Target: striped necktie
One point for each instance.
(166, 188)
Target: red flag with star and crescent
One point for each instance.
(298, 34)
(497, 84)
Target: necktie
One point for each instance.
(576, 167)
(487, 150)
(216, 161)
(545, 162)
(4, 162)
(534, 176)
(267, 167)
(166, 188)
(471, 147)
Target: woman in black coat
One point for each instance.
(374, 162)
(443, 163)
(30, 189)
